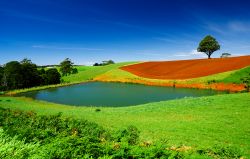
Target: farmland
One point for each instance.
(196, 122)
(216, 125)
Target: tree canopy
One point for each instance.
(66, 67)
(104, 63)
(25, 74)
(12, 77)
(208, 45)
(53, 76)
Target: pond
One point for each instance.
(113, 94)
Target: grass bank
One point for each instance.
(111, 73)
(196, 122)
(85, 74)
(223, 81)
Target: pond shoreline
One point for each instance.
(114, 94)
(233, 88)
(18, 91)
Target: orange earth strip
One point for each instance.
(214, 86)
(187, 69)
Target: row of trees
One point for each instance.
(104, 63)
(25, 74)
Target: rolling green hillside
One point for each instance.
(194, 123)
(90, 72)
(205, 121)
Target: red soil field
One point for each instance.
(186, 69)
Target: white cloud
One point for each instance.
(192, 53)
(239, 54)
(88, 63)
(195, 52)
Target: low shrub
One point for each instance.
(12, 148)
(97, 110)
(54, 136)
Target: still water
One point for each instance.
(113, 94)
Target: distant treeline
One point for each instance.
(25, 74)
(45, 66)
(104, 63)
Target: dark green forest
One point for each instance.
(25, 74)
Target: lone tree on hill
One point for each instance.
(208, 45)
(66, 67)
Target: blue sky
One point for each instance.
(89, 31)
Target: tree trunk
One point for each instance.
(209, 55)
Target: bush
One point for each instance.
(52, 76)
(12, 148)
(54, 136)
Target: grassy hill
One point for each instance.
(89, 72)
(196, 122)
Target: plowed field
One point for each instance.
(186, 69)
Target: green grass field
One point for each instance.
(117, 74)
(85, 74)
(196, 122)
(90, 72)
(113, 73)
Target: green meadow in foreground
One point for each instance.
(196, 122)
(209, 127)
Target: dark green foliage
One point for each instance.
(74, 71)
(130, 135)
(12, 77)
(25, 74)
(104, 63)
(208, 45)
(44, 128)
(1, 74)
(2, 87)
(54, 136)
(96, 64)
(66, 67)
(41, 71)
(107, 62)
(52, 76)
(223, 55)
(30, 75)
(97, 110)
(222, 152)
(246, 80)
(211, 81)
